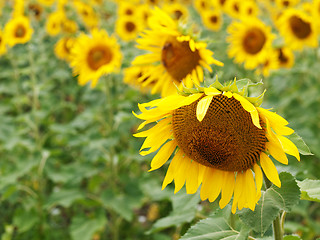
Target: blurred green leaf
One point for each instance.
(310, 190)
(83, 227)
(24, 220)
(184, 210)
(301, 145)
(271, 202)
(291, 237)
(63, 197)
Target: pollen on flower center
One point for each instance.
(300, 28)
(225, 139)
(254, 41)
(98, 57)
(20, 31)
(178, 59)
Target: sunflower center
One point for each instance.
(281, 57)
(225, 139)
(178, 59)
(214, 19)
(99, 56)
(130, 26)
(177, 14)
(129, 12)
(254, 41)
(20, 31)
(300, 28)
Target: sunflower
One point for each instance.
(87, 14)
(18, 30)
(35, 10)
(176, 59)
(63, 48)
(94, 56)
(202, 5)
(286, 3)
(3, 48)
(128, 28)
(47, 2)
(54, 23)
(285, 57)
(127, 9)
(218, 137)
(248, 9)
(232, 8)
(271, 63)
(138, 76)
(176, 10)
(212, 19)
(298, 29)
(249, 41)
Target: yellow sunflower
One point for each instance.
(212, 19)
(249, 9)
(35, 10)
(47, 2)
(176, 10)
(54, 23)
(18, 30)
(249, 42)
(3, 48)
(315, 10)
(202, 5)
(298, 29)
(232, 8)
(270, 64)
(286, 3)
(176, 59)
(138, 76)
(128, 28)
(18, 8)
(87, 14)
(285, 57)
(127, 8)
(94, 56)
(218, 137)
(63, 48)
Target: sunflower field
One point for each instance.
(159, 119)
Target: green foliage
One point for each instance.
(310, 190)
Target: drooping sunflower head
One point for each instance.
(95, 55)
(249, 42)
(36, 10)
(177, 59)
(18, 31)
(298, 29)
(285, 57)
(220, 138)
(63, 48)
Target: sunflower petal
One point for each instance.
(269, 169)
(181, 173)
(163, 155)
(192, 178)
(202, 107)
(227, 189)
(174, 165)
(259, 180)
(289, 147)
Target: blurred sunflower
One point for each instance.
(212, 19)
(232, 8)
(87, 14)
(47, 2)
(3, 48)
(249, 41)
(249, 9)
(18, 30)
(69, 26)
(176, 10)
(219, 137)
(35, 10)
(298, 29)
(94, 56)
(63, 48)
(18, 8)
(128, 28)
(176, 59)
(138, 76)
(127, 8)
(54, 23)
(202, 5)
(285, 57)
(286, 3)
(271, 63)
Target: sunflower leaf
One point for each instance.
(301, 145)
(291, 237)
(310, 190)
(215, 227)
(271, 203)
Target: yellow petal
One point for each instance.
(212, 91)
(216, 187)
(206, 187)
(174, 165)
(181, 173)
(163, 155)
(154, 141)
(159, 127)
(202, 107)
(250, 189)
(249, 107)
(227, 189)
(269, 169)
(289, 147)
(192, 178)
(228, 94)
(199, 73)
(259, 180)
(238, 189)
(192, 45)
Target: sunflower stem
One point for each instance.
(276, 225)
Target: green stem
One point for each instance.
(276, 225)
(232, 221)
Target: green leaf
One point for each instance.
(64, 197)
(271, 202)
(83, 228)
(301, 145)
(215, 228)
(24, 220)
(310, 190)
(291, 237)
(184, 209)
